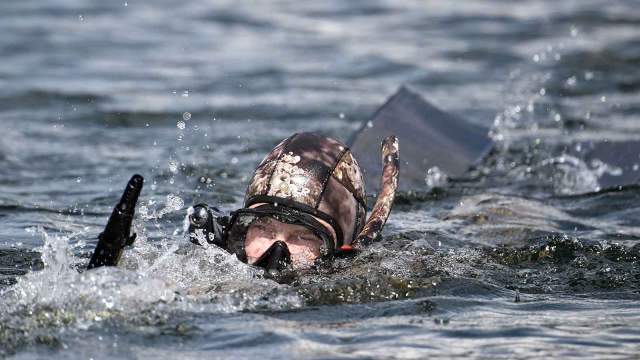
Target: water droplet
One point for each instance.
(186, 116)
(341, 115)
(530, 107)
(80, 17)
(536, 58)
(369, 124)
(174, 202)
(181, 125)
(435, 177)
(571, 81)
(79, 179)
(108, 303)
(126, 4)
(234, 160)
(603, 98)
(173, 166)
(543, 91)
(574, 31)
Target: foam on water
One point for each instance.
(151, 281)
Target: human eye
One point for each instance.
(308, 237)
(263, 228)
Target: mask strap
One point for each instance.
(388, 184)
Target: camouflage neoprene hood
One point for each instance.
(320, 176)
(308, 180)
(317, 175)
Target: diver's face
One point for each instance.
(303, 244)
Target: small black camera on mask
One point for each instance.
(206, 225)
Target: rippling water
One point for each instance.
(192, 95)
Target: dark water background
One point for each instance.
(193, 94)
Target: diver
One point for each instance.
(305, 203)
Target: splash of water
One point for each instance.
(154, 279)
(568, 175)
(435, 178)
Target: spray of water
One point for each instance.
(155, 278)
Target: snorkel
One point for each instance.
(388, 185)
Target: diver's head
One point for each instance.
(308, 192)
(305, 201)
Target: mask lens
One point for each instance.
(252, 234)
(302, 243)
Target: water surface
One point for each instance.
(192, 95)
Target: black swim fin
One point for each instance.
(116, 236)
(429, 138)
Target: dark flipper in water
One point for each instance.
(116, 236)
(429, 137)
